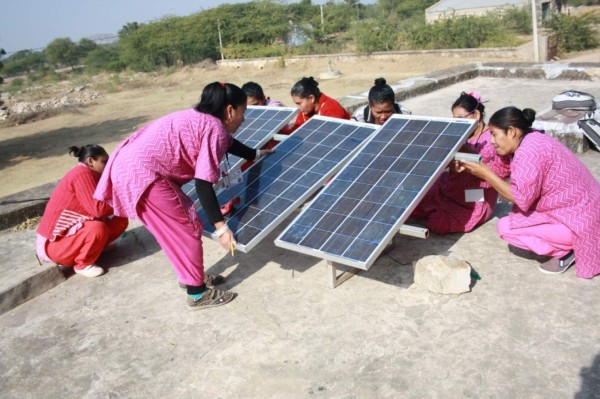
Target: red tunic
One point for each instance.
(327, 107)
(72, 203)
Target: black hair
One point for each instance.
(513, 116)
(469, 103)
(306, 87)
(217, 96)
(91, 150)
(381, 93)
(253, 89)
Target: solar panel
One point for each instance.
(274, 187)
(260, 125)
(362, 208)
(591, 129)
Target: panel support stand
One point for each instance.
(334, 279)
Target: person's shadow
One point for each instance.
(136, 243)
(590, 381)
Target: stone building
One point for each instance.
(452, 8)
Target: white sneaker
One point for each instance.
(90, 271)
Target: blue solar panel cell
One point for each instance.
(260, 125)
(274, 187)
(361, 209)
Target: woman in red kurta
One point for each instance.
(310, 101)
(76, 228)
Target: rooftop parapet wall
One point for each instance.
(494, 52)
(424, 84)
(419, 85)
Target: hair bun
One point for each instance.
(529, 115)
(380, 82)
(75, 151)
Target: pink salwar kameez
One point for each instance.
(552, 187)
(143, 180)
(445, 207)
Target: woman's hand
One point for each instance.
(478, 169)
(224, 235)
(453, 166)
(482, 171)
(227, 240)
(263, 153)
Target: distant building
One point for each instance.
(453, 8)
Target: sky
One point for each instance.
(32, 24)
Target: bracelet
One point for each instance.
(258, 155)
(222, 230)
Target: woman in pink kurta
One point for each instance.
(555, 197)
(144, 175)
(446, 206)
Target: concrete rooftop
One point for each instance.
(128, 334)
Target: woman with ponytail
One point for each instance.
(459, 202)
(311, 101)
(382, 105)
(76, 228)
(555, 197)
(145, 174)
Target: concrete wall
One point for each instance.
(509, 53)
(421, 85)
(431, 17)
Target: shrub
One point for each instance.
(573, 33)
(15, 85)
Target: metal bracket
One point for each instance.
(334, 279)
(280, 137)
(465, 156)
(414, 231)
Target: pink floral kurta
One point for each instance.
(551, 185)
(178, 147)
(444, 205)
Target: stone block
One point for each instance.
(443, 274)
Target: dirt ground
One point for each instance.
(36, 153)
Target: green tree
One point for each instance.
(371, 36)
(23, 62)
(517, 19)
(62, 51)
(459, 32)
(129, 28)
(302, 11)
(105, 58)
(85, 46)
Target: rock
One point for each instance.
(330, 75)
(443, 274)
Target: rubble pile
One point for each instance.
(74, 98)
